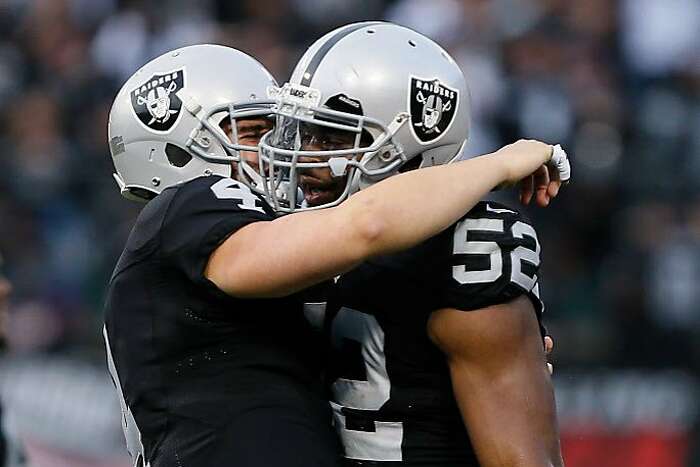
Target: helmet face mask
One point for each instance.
(200, 143)
(362, 102)
(309, 138)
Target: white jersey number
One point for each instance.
(384, 443)
(462, 245)
(227, 188)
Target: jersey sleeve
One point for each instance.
(494, 257)
(203, 213)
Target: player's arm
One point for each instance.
(501, 383)
(276, 258)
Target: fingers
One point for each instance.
(548, 345)
(561, 161)
(542, 186)
(545, 182)
(554, 182)
(526, 189)
(558, 172)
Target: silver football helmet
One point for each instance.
(396, 96)
(165, 123)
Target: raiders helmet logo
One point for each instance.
(155, 103)
(433, 108)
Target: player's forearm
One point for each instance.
(412, 207)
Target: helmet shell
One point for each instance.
(160, 107)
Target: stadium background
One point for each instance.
(618, 82)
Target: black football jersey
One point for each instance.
(391, 392)
(207, 379)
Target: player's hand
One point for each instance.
(539, 169)
(545, 182)
(548, 347)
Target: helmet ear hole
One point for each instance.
(176, 155)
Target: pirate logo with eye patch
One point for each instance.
(155, 102)
(433, 107)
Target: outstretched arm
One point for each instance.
(277, 258)
(501, 383)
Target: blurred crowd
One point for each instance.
(616, 81)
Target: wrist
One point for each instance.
(501, 168)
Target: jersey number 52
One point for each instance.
(520, 254)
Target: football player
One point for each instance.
(438, 357)
(207, 343)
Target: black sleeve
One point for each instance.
(202, 214)
(494, 257)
